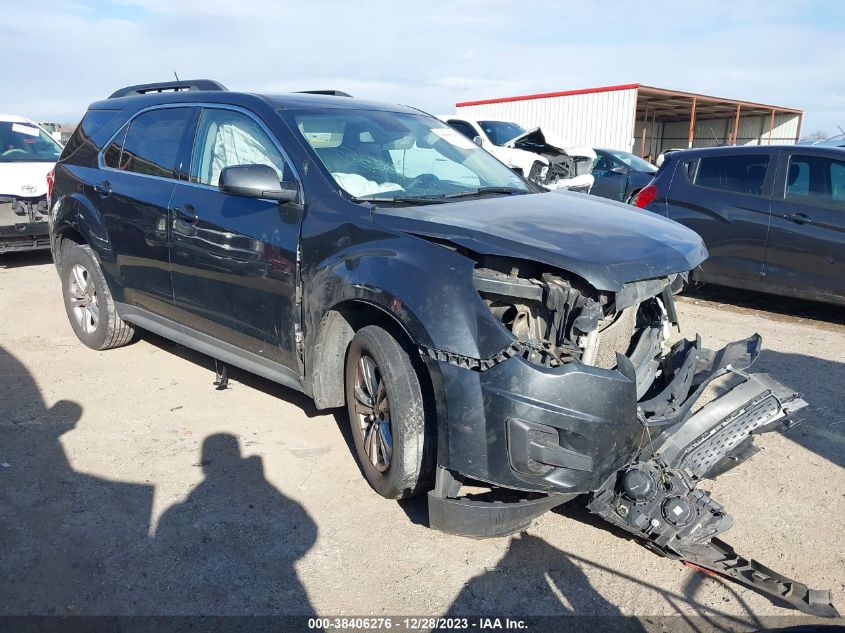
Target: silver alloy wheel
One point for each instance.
(372, 410)
(83, 299)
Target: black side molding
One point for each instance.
(168, 86)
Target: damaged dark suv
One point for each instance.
(480, 330)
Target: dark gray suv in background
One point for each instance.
(773, 217)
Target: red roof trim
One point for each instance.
(545, 95)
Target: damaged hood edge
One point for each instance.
(606, 243)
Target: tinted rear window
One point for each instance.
(152, 142)
(738, 174)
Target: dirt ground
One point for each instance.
(129, 485)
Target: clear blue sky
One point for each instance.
(61, 55)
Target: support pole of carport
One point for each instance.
(692, 124)
(771, 125)
(736, 124)
(800, 122)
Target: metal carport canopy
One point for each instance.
(674, 105)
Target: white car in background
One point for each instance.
(27, 154)
(542, 158)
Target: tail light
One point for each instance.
(646, 196)
(51, 178)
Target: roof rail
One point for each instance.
(168, 86)
(331, 93)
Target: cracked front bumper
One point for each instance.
(568, 429)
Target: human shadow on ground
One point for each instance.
(74, 543)
(532, 579)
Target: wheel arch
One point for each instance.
(336, 330)
(77, 220)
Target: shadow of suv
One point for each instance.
(773, 217)
(478, 328)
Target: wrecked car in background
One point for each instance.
(27, 154)
(479, 330)
(548, 161)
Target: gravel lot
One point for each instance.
(130, 486)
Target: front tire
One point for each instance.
(88, 302)
(387, 415)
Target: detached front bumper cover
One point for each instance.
(656, 498)
(655, 495)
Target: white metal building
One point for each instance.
(643, 119)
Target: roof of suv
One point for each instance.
(747, 149)
(291, 101)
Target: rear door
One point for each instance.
(233, 259)
(806, 247)
(132, 191)
(725, 198)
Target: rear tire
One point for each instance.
(387, 415)
(88, 302)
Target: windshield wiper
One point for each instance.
(482, 190)
(407, 199)
(441, 198)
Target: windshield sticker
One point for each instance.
(454, 137)
(24, 129)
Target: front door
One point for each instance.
(133, 194)
(233, 259)
(806, 247)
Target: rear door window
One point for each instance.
(738, 174)
(816, 180)
(151, 143)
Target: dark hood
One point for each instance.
(606, 243)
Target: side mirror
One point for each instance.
(255, 181)
(620, 169)
(477, 140)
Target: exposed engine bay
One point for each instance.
(560, 318)
(555, 164)
(559, 165)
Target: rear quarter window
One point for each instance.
(82, 136)
(743, 174)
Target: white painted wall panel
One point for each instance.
(598, 119)
(607, 119)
